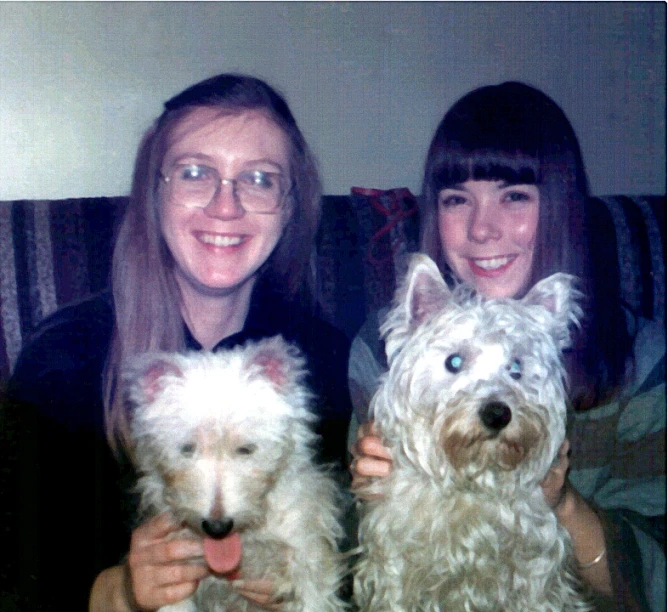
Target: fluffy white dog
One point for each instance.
(473, 409)
(223, 441)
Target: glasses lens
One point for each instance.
(194, 185)
(260, 191)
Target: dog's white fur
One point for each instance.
(462, 523)
(227, 435)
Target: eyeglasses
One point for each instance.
(195, 186)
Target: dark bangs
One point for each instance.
(459, 166)
(494, 133)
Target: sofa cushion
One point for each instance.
(51, 253)
(362, 246)
(388, 228)
(628, 246)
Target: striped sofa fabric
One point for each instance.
(52, 253)
(56, 252)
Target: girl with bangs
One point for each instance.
(505, 204)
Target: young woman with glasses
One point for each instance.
(214, 249)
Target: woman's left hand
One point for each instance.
(554, 484)
(259, 592)
(581, 522)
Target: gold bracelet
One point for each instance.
(594, 561)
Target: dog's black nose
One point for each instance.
(217, 529)
(495, 415)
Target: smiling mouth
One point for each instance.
(494, 263)
(221, 241)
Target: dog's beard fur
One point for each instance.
(473, 409)
(470, 447)
(226, 438)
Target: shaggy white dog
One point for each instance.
(223, 441)
(473, 409)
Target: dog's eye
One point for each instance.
(188, 449)
(454, 363)
(515, 369)
(246, 449)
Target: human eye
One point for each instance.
(520, 194)
(517, 196)
(450, 199)
(194, 173)
(260, 180)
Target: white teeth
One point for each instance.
(221, 241)
(492, 264)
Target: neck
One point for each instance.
(211, 318)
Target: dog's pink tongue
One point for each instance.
(224, 555)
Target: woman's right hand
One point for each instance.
(162, 570)
(371, 459)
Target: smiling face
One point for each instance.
(220, 248)
(488, 232)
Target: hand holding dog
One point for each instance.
(260, 592)
(554, 484)
(160, 568)
(371, 459)
(163, 570)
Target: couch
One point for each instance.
(54, 252)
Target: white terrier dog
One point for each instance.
(473, 409)
(223, 441)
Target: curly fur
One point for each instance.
(473, 409)
(227, 436)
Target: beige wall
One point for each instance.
(368, 82)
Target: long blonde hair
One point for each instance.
(145, 294)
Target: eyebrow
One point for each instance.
(503, 184)
(207, 158)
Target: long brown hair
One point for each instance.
(515, 133)
(145, 293)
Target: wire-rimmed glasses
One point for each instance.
(196, 185)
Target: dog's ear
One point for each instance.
(147, 376)
(559, 296)
(422, 293)
(425, 290)
(279, 361)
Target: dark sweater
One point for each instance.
(67, 509)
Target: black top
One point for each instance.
(66, 508)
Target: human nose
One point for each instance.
(225, 202)
(484, 223)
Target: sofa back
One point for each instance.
(55, 252)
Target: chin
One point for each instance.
(220, 286)
(498, 289)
